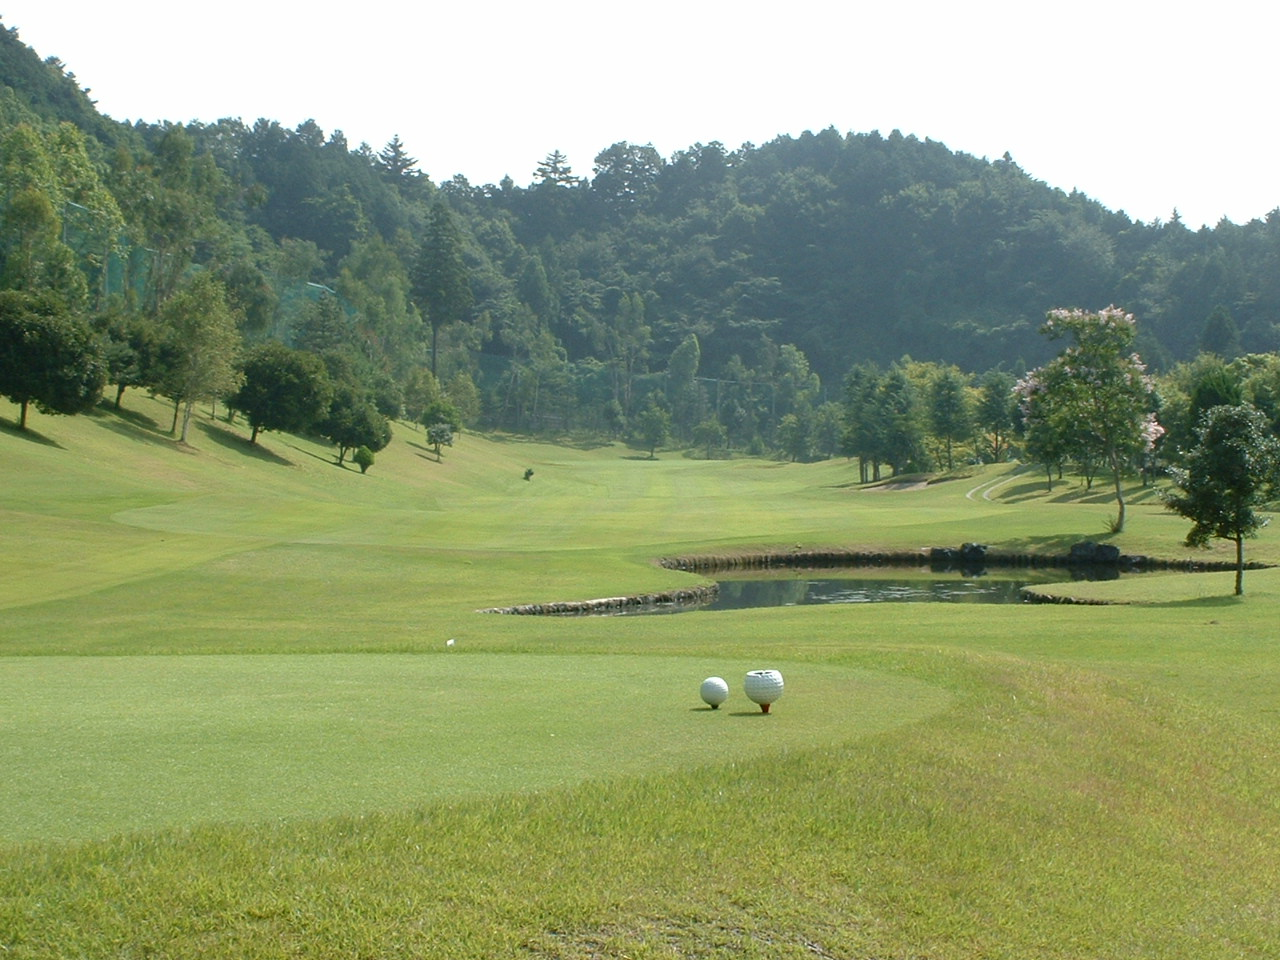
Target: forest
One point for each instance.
(724, 298)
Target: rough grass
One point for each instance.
(265, 758)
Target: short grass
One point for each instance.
(230, 726)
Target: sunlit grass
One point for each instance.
(270, 753)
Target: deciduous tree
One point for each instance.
(47, 357)
(203, 337)
(1101, 387)
(283, 389)
(1232, 470)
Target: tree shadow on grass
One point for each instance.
(1214, 602)
(232, 441)
(330, 459)
(1058, 543)
(107, 409)
(131, 424)
(34, 436)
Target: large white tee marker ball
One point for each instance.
(763, 687)
(714, 691)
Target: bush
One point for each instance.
(363, 458)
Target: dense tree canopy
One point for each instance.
(283, 389)
(47, 356)
(571, 304)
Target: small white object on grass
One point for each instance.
(714, 692)
(763, 687)
(450, 642)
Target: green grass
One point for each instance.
(230, 727)
(109, 745)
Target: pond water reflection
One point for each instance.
(887, 585)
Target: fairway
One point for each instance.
(230, 725)
(97, 746)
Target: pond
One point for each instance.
(884, 583)
(887, 585)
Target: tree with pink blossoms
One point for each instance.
(1094, 401)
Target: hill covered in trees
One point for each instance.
(726, 286)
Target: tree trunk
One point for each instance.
(22, 415)
(173, 428)
(186, 419)
(120, 388)
(1115, 473)
(1239, 566)
(253, 437)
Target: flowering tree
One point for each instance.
(1094, 401)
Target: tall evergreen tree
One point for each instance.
(440, 280)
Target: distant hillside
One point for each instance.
(585, 285)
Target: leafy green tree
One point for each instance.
(1220, 335)
(283, 389)
(132, 346)
(33, 256)
(863, 431)
(896, 406)
(710, 435)
(950, 412)
(1046, 428)
(1261, 374)
(363, 458)
(373, 283)
(438, 435)
(795, 435)
(441, 411)
(440, 283)
(1232, 470)
(47, 357)
(628, 339)
(828, 429)
(682, 387)
(653, 427)
(353, 421)
(92, 219)
(997, 412)
(626, 174)
(324, 327)
(202, 337)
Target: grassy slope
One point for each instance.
(1025, 781)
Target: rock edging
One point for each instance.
(649, 602)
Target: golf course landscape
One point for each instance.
(232, 722)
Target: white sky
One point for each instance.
(1144, 106)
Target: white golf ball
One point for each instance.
(763, 687)
(714, 691)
